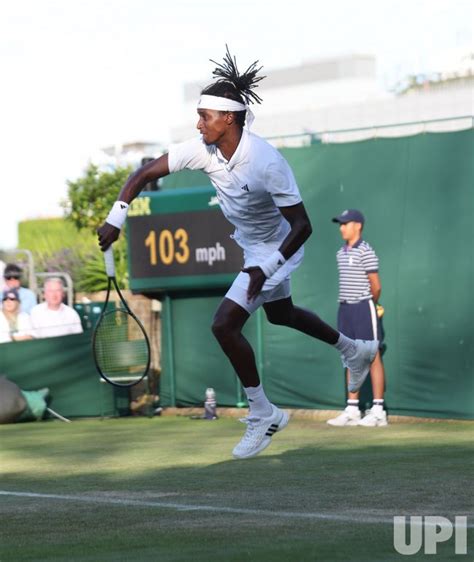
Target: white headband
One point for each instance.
(225, 104)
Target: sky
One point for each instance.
(79, 75)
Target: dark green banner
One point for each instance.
(66, 367)
(418, 198)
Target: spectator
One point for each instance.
(52, 317)
(359, 291)
(14, 324)
(12, 276)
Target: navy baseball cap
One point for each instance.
(349, 215)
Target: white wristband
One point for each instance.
(118, 214)
(272, 264)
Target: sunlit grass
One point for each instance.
(365, 476)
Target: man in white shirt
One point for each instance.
(257, 193)
(52, 317)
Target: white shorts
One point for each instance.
(238, 293)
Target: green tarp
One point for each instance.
(418, 197)
(66, 367)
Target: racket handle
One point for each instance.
(109, 262)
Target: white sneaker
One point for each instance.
(359, 363)
(373, 418)
(259, 433)
(350, 416)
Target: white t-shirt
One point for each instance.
(49, 323)
(249, 187)
(23, 327)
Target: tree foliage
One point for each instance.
(91, 196)
(89, 201)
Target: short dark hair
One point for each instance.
(11, 269)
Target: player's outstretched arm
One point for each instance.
(151, 171)
(110, 230)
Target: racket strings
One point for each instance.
(121, 347)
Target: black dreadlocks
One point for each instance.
(233, 85)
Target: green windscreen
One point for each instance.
(417, 194)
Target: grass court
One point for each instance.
(167, 489)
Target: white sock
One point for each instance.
(377, 406)
(259, 404)
(353, 405)
(345, 345)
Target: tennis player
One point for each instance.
(257, 193)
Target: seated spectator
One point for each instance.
(52, 317)
(14, 325)
(12, 277)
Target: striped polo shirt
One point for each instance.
(353, 264)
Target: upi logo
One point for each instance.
(435, 530)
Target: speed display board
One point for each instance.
(179, 239)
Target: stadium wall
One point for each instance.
(417, 195)
(65, 366)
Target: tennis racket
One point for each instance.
(120, 345)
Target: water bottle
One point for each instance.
(210, 405)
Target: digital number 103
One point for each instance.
(168, 246)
